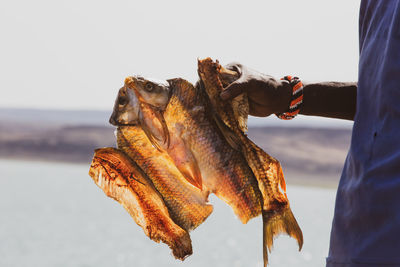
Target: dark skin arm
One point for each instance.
(268, 95)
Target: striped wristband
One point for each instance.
(296, 100)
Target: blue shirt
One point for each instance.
(366, 224)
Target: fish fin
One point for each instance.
(153, 135)
(282, 183)
(165, 132)
(184, 91)
(277, 222)
(181, 247)
(232, 139)
(184, 159)
(265, 250)
(146, 129)
(191, 171)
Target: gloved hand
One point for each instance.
(266, 94)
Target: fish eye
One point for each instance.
(122, 101)
(149, 87)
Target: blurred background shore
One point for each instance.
(71, 136)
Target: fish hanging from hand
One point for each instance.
(276, 213)
(190, 144)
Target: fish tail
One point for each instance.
(181, 246)
(277, 222)
(264, 245)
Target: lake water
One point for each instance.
(53, 214)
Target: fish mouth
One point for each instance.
(121, 124)
(152, 135)
(115, 120)
(112, 121)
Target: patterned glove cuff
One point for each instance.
(296, 101)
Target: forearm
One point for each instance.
(268, 95)
(330, 99)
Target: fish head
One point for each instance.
(149, 91)
(142, 102)
(136, 93)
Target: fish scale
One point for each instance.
(187, 204)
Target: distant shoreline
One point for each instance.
(100, 118)
(314, 157)
(292, 177)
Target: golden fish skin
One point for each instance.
(277, 215)
(151, 120)
(122, 180)
(224, 170)
(186, 203)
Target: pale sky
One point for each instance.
(76, 54)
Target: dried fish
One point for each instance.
(189, 143)
(277, 215)
(121, 179)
